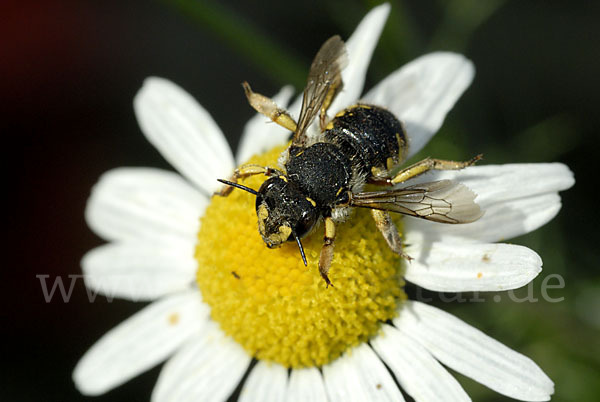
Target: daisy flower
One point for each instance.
(221, 298)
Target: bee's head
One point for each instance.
(284, 212)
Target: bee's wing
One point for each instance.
(325, 74)
(444, 201)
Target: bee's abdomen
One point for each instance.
(370, 136)
(322, 171)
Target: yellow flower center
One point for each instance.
(278, 309)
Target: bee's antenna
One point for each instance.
(301, 249)
(230, 183)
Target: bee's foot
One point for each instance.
(327, 281)
(223, 193)
(406, 256)
(475, 159)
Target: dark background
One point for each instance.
(68, 75)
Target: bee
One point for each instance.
(323, 177)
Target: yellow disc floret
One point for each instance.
(274, 306)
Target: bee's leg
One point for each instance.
(269, 108)
(245, 171)
(327, 250)
(381, 176)
(431, 164)
(380, 182)
(331, 94)
(386, 226)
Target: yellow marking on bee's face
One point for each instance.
(262, 213)
(283, 234)
(339, 191)
(283, 178)
(300, 153)
(314, 204)
(329, 126)
(362, 106)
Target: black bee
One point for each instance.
(322, 178)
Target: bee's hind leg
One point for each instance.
(388, 229)
(428, 164)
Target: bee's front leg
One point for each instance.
(246, 171)
(269, 108)
(388, 229)
(327, 250)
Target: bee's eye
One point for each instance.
(306, 222)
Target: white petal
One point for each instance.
(360, 47)
(143, 203)
(359, 375)
(474, 354)
(141, 342)
(419, 374)
(183, 132)
(306, 385)
(209, 367)
(459, 267)
(499, 222)
(261, 134)
(138, 272)
(422, 92)
(496, 183)
(266, 382)
(515, 198)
